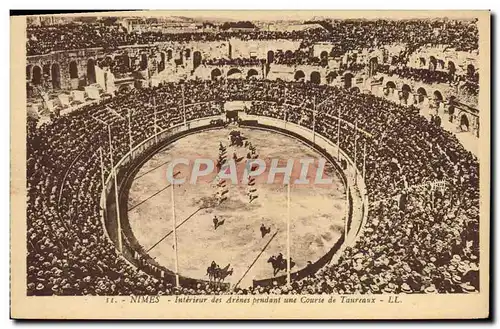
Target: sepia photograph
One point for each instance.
(250, 164)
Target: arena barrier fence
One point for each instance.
(134, 253)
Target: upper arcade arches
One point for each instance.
(252, 74)
(215, 74)
(348, 80)
(29, 68)
(331, 76)
(373, 65)
(299, 76)
(36, 75)
(56, 76)
(315, 77)
(234, 73)
(73, 70)
(421, 62)
(144, 62)
(46, 72)
(421, 94)
(91, 77)
(451, 68)
(391, 85)
(270, 57)
(471, 70)
(438, 96)
(169, 55)
(464, 122)
(405, 93)
(161, 64)
(197, 59)
(432, 63)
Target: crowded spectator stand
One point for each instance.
(427, 243)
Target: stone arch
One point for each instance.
(126, 60)
(464, 122)
(252, 74)
(144, 62)
(451, 68)
(405, 93)
(73, 70)
(390, 84)
(36, 78)
(438, 96)
(29, 68)
(169, 55)
(125, 88)
(421, 94)
(390, 88)
(332, 75)
(299, 75)
(187, 53)
(270, 57)
(421, 62)
(46, 72)
(108, 60)
(138, 84)
(56, 76)
(471, 70)
(422, 91)
(315, 77)
(197, 58)
(373, 66)
(161, 64)
(440, 64)
(215, 74)
(432, 63)
(234, 73)
(91, 71)
(348, 80)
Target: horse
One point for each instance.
(223, 273)
(279, 265)
(264, 230)
(218, 222)
(211, 272)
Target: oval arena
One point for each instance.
(396, 128)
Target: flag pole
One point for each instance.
(364, 157)
(314, 121)
(155, 125)
(103, 179)
(347, 207)
(174, 229)
(285, 108)
(338, 138)
(356, 148)
(129, 131)
(288, 237)
(184, 105)
(117, 199)
(102, 175)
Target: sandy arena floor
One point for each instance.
(317, 213)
